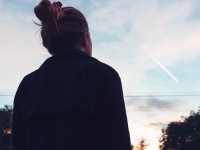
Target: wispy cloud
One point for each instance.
(155, 103)
(166, 28)
(158, 125)
(150, 103)
(20, 48)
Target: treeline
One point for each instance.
(183, 134)
(180, 135)
(5, 127)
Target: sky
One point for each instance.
(154, 45)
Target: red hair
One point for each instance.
(60, 27)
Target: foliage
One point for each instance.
(142, 145)
(182, 135)
(5, 127)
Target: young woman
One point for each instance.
(73, 101)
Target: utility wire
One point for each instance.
(163, 95)
(6, 95)
(148, 95)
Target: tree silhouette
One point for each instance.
(5, 127)
(183, 134)
(142, 145)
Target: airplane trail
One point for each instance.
(163, 67)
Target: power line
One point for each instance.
(6, 95)
(164, 95)
(149, 95)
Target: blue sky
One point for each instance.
(125, 35)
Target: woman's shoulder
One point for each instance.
(29, 77)
(107, 70)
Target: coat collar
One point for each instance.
(69, 51)
(68, 54)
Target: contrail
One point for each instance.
(163, 67)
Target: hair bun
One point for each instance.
(43, 10)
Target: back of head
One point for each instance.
(60, 27)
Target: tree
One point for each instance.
(183, 134)
(142, 145)
(5, 127)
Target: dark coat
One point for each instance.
(72, 102)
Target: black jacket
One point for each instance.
(72, 102)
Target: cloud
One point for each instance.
(155, 103)
(20, 48)
(159, 102)
(125, 29)
(158, 125)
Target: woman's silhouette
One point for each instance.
(73, 101)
